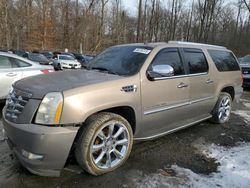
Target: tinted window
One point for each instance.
(65, 57)
(224, 61)
(246, 59)
(196, 61)
(170, 57)
(18, 63)
(48, 55)
(37, 57)
(121, 60)
(4, 62)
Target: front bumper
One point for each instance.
(246, 82)
(53, 143)
(70, 66)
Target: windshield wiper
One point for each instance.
(102, 69)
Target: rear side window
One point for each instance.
(170, 56)
(19, 63)
(5, 62)
(224, 61)
(196, 60)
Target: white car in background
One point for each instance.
(68, 62)
(13, 68)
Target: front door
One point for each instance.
(165, 99)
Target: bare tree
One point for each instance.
(59, 24)
(139, 20)
(247, 4)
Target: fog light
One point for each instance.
(31, 156)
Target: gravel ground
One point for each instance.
(147, 158)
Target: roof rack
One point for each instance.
(196, 44)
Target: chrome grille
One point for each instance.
(15, 104)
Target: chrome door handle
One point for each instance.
(209, 81)
(11, 74)
(182, 85)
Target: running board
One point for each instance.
(173, 130)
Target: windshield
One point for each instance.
(65, 57)
(245, 59)
(121, 60)
(37, 57)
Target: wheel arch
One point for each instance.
(126, 112)
(230, 90)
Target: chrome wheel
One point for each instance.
(110, 145)
(224, 109)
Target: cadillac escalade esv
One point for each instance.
(128, 92)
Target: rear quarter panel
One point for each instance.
(224, 79)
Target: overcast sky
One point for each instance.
(131, 6)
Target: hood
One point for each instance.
(61, 81)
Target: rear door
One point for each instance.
(8, 74)
(202, 88)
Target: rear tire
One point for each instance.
(104, 143)
(222, 110)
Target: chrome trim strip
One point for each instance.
(202, 99)
(165, 108)
(176, 105)
(173, 130)
(181, 76)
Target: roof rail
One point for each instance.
(196, 44)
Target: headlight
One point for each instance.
(50, 109)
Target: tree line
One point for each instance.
(94, 25)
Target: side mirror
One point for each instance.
(161, 71)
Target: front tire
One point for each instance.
(222, 110)
(104, 143)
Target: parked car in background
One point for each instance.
(13, 68)
(66, 62)
(245, 68)
(19, 52)
(48, 55)
(3, 50)
(129, 92)
(67, 53)
(88, 58)
(80, 58)
(83, 59)
(39, 58)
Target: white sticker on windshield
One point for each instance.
(142, 51)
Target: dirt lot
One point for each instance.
(147, 157)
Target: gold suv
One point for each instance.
(128, 92)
